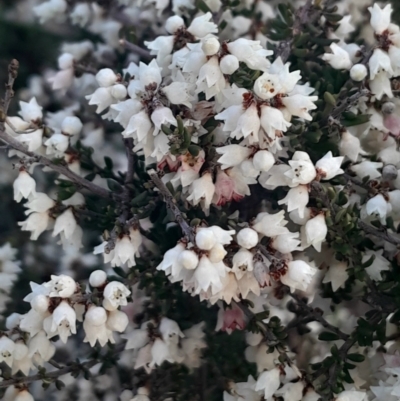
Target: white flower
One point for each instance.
(65, 223)
(358, 72)
(299, 105)
(339, 58)
(98, 278)
(223, 237)
(269, 382)
(80, 14)
(202, 26)
(267, 86)
(302, 169)
(232, 155)
(367, 169)
(162, 115)
(296, 199)
(217, 253)
(33, 140)
(170, 331)
(378, 207)
(272, 120)
(160, 353)
(211, 81)
(171, 262)
(41, 349)
(61, 286)
(57, 144)
(24, 186)
(37, 223)
(210, 45)
(174, 23)
(337, 274)
(248, 123)
(381, 85)
(242, 262)
(50, 9)
(7, 348)
(95, 328)
(31, 112)
(270, 225)
(63, 322)
(115, 294)
(379, 62)
(286, 243)
(350, 146)
(207, 275)
(299, 275)
(205, 239)
(329, 166)
(378, 265)
(202, 191)
(380, 18)
(315, 231)
(178, 93)
(101, 98)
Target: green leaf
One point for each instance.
(356, 357)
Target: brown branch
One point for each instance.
(171, 203)
(135, 49)
(378, 233)
(12, 75)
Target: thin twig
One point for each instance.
(135, 49)
(171, 203)
(378, 233)
(12, 75)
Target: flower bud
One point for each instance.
(389, 172)
(119, 92)
(96, 315)
(117, 321)
(358, 72)
(210, 46)
(98, 278)
(263, 160)
(388, 108)
(71, 125)
(189, 259)
(66, 60)
(205, 239)
(217, 253)
(40, 303)
(229, 64)
(174, 23)
(106, 77)
(247, 238)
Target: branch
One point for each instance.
(171, 203)
(12, 75)
(377, 233)
(79, 181)
(135, 49)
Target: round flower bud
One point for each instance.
(65, 61)
(98, 278)
(119, 92)
(13, 321)
(117, 321)
(205, 239)
(106, 77)
(263, 160)
(388, 108)
(247, 238)
(189, 259)
(389, 172)
(96, 316)
(174, 23)
(217, 253)
(24, 395)
(229, 64)
(71, 125)
(143, 391)
(358, 72)
(40, 303)
(210, 46)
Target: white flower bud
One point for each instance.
(97, 278)
(263, 160)
(210, 46)
(40, 303)
(24, 395)
(389, 172)
(96, 316)
(106, 77)
(217, 253)
(71, 125)
(205, 239)
(247, 238)
(65, 61)
(253, 339)
(13, 321)
(174, 23)
(119, 92)
(188, 259)
(358, 72)
(388, 108)
(229, 64)
(117, 321)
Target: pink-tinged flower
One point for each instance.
(392, 123)
(231, 319)
(226, 189)
(190, 162)
(173, 165)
